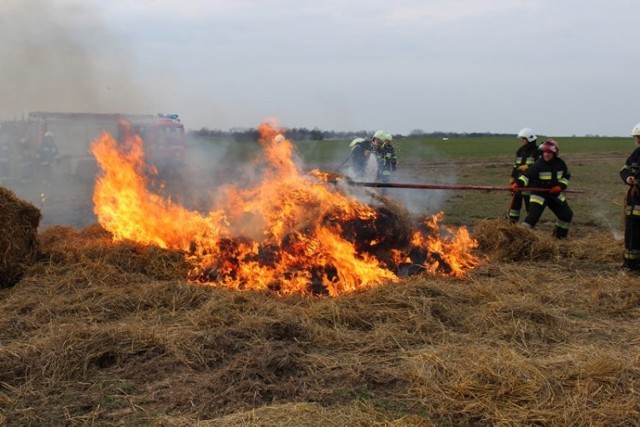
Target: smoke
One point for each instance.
(409, 171)
(59, 56)
(601, 214)
(423, 172)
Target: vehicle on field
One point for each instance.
(163, 136)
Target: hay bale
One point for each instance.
(93, 246)
(19, 222)
(513, 242)
(504, 241)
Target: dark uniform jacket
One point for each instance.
(632, 168)
(387, 160)
(544, 174)
(526, 156)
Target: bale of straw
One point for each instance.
(513, 242)
(19, 222)
(94, 246)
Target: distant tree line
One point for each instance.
(419, 133)
(315, 134)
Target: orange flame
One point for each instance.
(452, 251)
(126, 209)
(299, 242)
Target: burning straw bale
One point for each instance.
(19, 222)
(390, 229)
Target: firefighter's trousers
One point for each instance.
(517, 200)
(632, 231)
(558, 204)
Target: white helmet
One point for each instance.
(527, 133)
(636, 130)
(387, 137)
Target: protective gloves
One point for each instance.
(556, 189)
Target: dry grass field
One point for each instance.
(541, 332)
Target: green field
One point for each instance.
(431, 149)
(435, 149)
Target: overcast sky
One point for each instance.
(563, 67)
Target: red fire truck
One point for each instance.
(164, 140)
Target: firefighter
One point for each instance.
(377, 140)
(630, 174)
(548, 172)
(385, 156)
(46, 154)
(360, 150)
(526, 156)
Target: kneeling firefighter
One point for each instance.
(550, 173)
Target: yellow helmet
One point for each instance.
(379, 134)
(356, 141)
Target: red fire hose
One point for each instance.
(445, 187)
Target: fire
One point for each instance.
(292, 233)
(451, 254)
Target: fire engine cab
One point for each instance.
(164, 139)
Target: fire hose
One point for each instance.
(445, 186)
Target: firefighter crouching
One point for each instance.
(548, 172)
(526, 156)
(630, 174)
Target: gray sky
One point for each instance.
(563, 67)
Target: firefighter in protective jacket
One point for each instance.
(549, 172)
(385, 156)
(360, 150)
(526, 156)
(630, 174)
